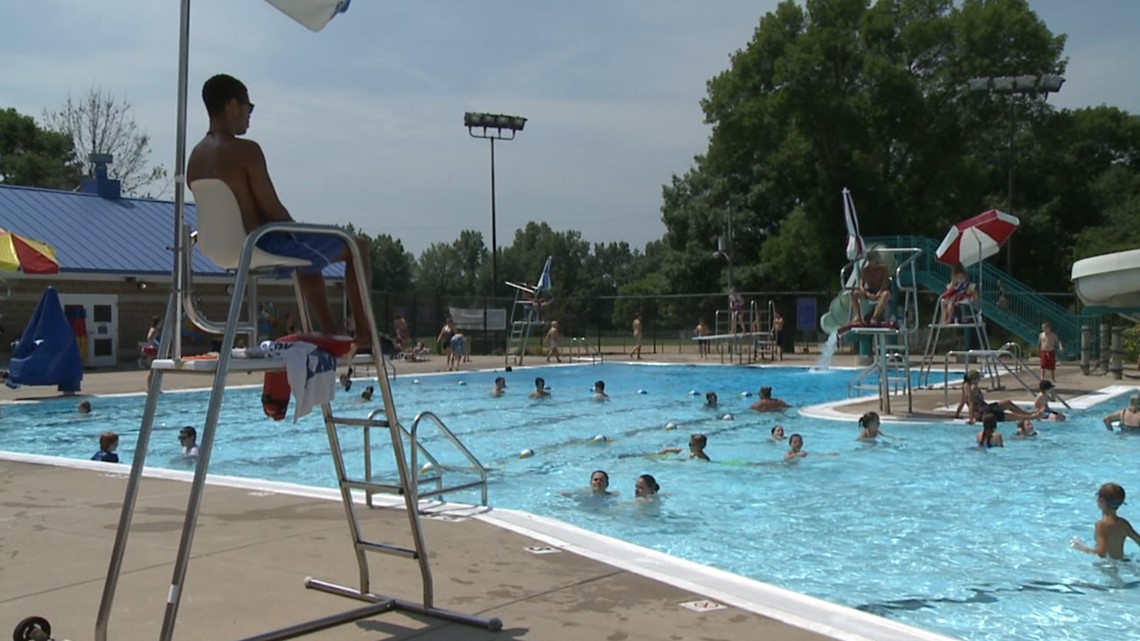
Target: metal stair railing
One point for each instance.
(371, 487)
(994, 356)
(1005, 300)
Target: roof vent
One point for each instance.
(101, 184)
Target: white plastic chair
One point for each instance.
(221, 237)
(220, 229)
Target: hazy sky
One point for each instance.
(363, 122)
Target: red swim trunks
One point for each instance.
(1049, 360)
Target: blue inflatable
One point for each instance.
(47, 353)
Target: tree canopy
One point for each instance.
(873, 97)
(32, 156)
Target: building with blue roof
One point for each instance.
(116, 257)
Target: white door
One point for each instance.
(102, 315)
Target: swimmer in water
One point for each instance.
(1129, 417)
(600, 391)
(1025, 429)
(540, 389)
(697, 444)
(710, 399)
(989, 436)
(778, 433)
(646, 488)
(600, 483)
(500, 386)
(869, 427)
(767, 403)
(796, 443)
(1110, 530)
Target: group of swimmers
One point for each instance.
(109, 444)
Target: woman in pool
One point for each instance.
(989, 436)
(869, 427)
(710, 399)
(646, 488)
(778, 433)
(1129, 417)
(600, 483)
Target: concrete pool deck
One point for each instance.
(255, 543)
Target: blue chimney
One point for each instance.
(101, 184)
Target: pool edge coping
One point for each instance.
(799, 610)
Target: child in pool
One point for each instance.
(989, 436)
(796, 443)
(869, 427)
(1111, 530)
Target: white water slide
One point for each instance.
(1109, 280)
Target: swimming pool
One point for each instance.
(920, 528)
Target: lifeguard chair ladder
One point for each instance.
(170, 359)
(890, 344)
(971, 323)
(525, 313)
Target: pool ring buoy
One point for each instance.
(336, 346)
(275, 393)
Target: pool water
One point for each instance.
(920, 527)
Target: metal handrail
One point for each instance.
(454, 441)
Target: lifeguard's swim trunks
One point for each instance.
(319, 249)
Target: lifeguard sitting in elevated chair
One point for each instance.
(960, 290)
(874, 285)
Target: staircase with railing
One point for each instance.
(1005, 300)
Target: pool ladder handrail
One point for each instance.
(581, 348)
(371, 487)
(994, 358)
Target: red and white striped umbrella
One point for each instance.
(976, 239)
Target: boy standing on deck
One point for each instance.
(1047, 345)
(1111, 530)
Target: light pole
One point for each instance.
(493, 127)
(1043, 84)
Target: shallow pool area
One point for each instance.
(920, 527)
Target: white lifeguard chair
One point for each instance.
(967, 318)
(526, 313)
(889, 373)
(221, 239)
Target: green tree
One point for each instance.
(34, 157)
(392, 265)
(842, 93)
(98, 122)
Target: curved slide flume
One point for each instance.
(1109, 280)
